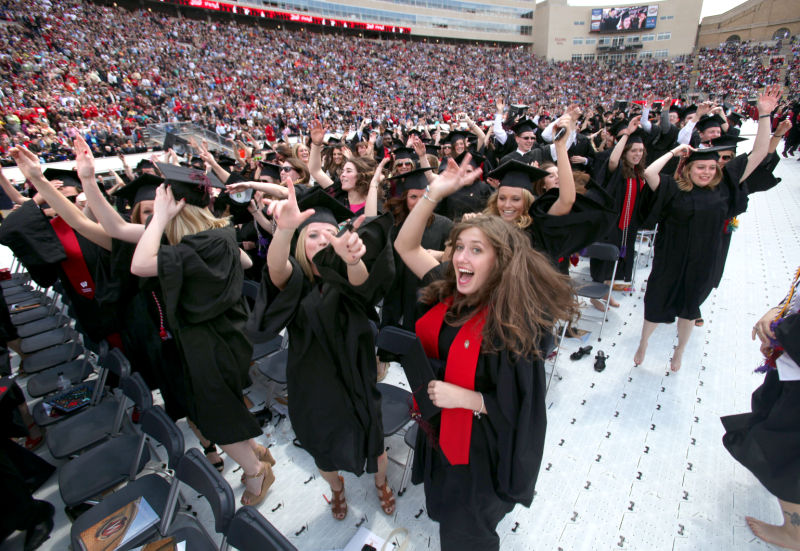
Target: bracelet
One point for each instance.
(428, 197)
(672, 152)
(478, 412)
(762, 116)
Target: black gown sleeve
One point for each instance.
(788, 334)
(655, 204)
(274, 308)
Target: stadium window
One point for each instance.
(591, 41)
(664, 36)
(646, 55)
(734, 38)
(588, 57)
(781, 34)
(577, 41)
(632, 40)
(578, 23)
(660, 53)
(648, 37)
(576, 57)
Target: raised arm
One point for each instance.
(767, 102)
(28, 164)
(652, 173)
(145, 257)
(409, 241)
(105, 213)
(371, 207)
(315, 157)
(273, 190)
(783, 127)
(616, 153)
(477, 130)
(11, 191)
(351, 249)
(287, 218)
(566, 182)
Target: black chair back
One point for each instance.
(157, 424)
(134, 387)
(250, 531)
(195, 470)
(603, 251)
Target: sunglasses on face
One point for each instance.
(286, 169)
(725, 157)
(403, 163)
(527, 137)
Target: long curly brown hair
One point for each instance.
(526, 296)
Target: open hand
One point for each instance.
(84, 160)
(453, 178)
(165, 206)
(286, 213)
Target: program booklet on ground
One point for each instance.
(120, 527)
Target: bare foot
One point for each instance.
(613, 303)
(638, 358)
(598, 304)
(777, 535)
(675, 363)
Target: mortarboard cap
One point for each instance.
(142, 188)
(224, 160)
(706, 154)
(456, 135)
(518, 174)
(618, 127)
(415, 179)
(688, 111)
(525, 125)
(735, 118)
(176, 143)
(726, 141)
(709, 121)
(271, 169)
(68, 177)
(326, 209)
(405, 153)
(190, 184)
(432, 149)
(636, 137)
(475, 161)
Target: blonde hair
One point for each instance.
(300, 254)
(192, 219)
(524, 219)
(685, 182)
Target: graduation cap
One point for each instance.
(415, 179)
(176, 143)
(706, 154)
(326, 209)
(142, 188)
(617, 127)
(688, 111)
(525, 125)
(405, 153)
(144, 164)
(241, 197)
(432, 149)
(736, 118)
(456, 135)
(621, 105)
(726, 141)
(675, 108)
(224, 160)
(637, 136)
(68, 177)
(516, 108)
(517, 174)
(709, 121)
(475, 161)
(189, 183)
(270, 169)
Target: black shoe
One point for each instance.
(41, 526)
(581, 352)
(600, 361)
(219, 465)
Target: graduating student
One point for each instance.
(322, 283)
(483, 317)
(201, 274)
(766, 441)
(691, 211)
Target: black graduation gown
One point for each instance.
(29, 235)
(767, 441)
(401, 299)
(201, 278)
(761, 179)
(472, 198)
(505, 450)
(334, 401)
(617, 187)
(535, 154)
(687, 243)
(560, 236)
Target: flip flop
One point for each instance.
(580, 353)
(600, 361)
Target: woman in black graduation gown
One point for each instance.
(484, 319)
(325, 296)
(766, 441)
(691, 211)
(201, 275)
(622, 176)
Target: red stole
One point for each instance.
(462, 360)
(632, 188)
(74, 265)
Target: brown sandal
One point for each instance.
(263, 454)
(338, 502)
(248, 497)
(386, 496)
